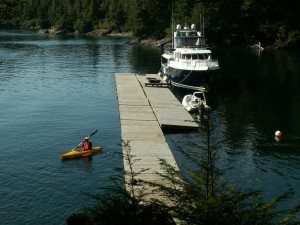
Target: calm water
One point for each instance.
(54, 91)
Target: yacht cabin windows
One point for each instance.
(190, 42)
(192, 56)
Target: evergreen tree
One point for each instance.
(200, 196)
(8, 8)
(226, 22)
(124, 203)
(203, 196)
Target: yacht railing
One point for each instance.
(175, 84)
(192, 64)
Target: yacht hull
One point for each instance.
(187, 77)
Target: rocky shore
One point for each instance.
(165, 42)
(94, 33)
(100, 33)
(152, 43)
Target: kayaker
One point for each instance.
(87, 144)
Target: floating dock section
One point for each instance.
(145, 108)
(168, 110)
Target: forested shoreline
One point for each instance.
(272, 22)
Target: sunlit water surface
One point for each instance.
(54, 91)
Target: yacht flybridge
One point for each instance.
(189, 62)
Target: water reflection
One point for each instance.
(252, 96)
(53, 89)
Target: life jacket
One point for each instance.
(87, 146)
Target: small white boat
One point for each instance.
(195, 101)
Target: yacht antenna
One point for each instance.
(200, 23)
(203, 22)
(172, 27)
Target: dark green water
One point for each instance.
(54, 91)
(252, 97)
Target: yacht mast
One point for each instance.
(203, 23)
(172, 27)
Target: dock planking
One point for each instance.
(168, 110)
(140, 128)
(145, 109)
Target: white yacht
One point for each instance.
(189, 62)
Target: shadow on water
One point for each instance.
(251, 97)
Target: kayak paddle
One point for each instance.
(87, 137)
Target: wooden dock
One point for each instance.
(144, 111)
(168, 110)
(140, 127)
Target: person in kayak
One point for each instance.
(87, 144)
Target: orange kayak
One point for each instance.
(75, 154)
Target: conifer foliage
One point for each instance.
(225, 22)
(203, 197)
(124, 202)
(198, 196)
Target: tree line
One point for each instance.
(226, 22)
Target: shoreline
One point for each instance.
(108, 33)
(149, 42)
